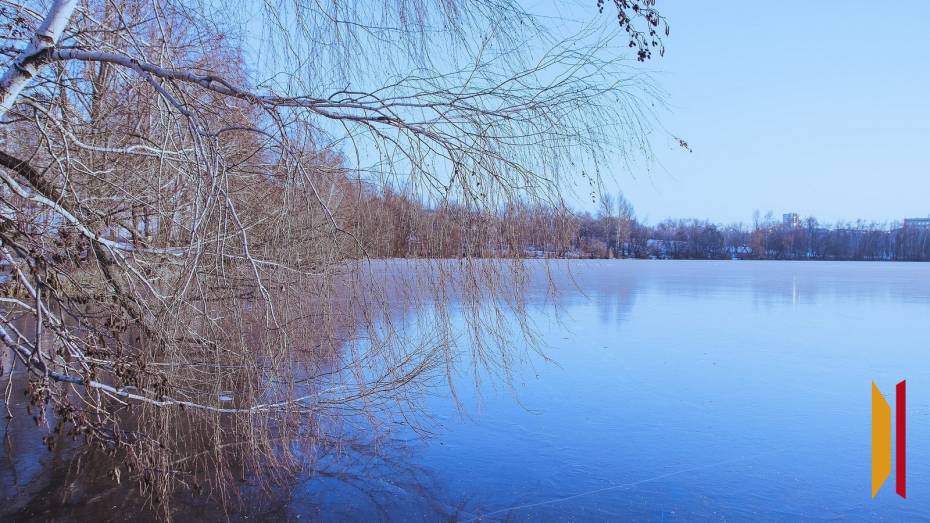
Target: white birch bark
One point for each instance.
(25, 66)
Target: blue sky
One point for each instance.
(821, 108)
(815, 107)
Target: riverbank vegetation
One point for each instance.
(412, 229)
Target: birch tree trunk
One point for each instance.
(29, 63)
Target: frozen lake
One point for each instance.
(677, 390)
(684, 390)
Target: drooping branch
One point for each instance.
(180, 229)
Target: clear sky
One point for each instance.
(821, 108)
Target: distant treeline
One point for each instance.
(408, 228)
(697, 239)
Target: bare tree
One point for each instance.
(607, 216)
(626, 221)
(187, 214)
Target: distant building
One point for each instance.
(534, 252)
(737, 252)
(791, 219)
(917, 223)
(664, 248)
